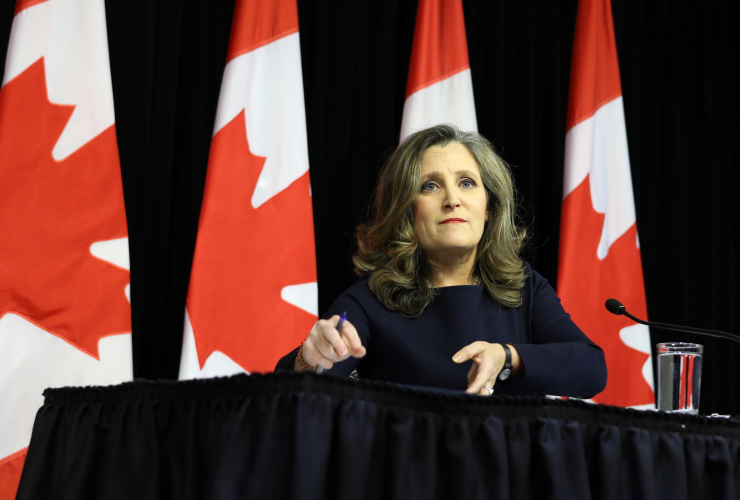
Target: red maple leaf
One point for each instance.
(584, 285)
(245, 256)
(51, 212)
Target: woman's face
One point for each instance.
(450, 211)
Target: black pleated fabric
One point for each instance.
(303, 436)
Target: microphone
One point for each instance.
(616, 307)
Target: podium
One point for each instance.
(306, 436)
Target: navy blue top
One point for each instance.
(557, 358)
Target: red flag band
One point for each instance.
(439, 89)
(599, 249)
(65, 319)
(253, 294)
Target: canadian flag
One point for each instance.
(439, 88)
(64, 314)
(253, 294)
(599, 248)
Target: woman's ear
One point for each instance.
(486, 215)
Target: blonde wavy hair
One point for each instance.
(390, 249)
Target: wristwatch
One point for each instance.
(505, 373)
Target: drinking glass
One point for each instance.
(679, 376)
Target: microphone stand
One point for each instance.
(616, 307)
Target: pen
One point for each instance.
(342, 318)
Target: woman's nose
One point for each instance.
(452, 199)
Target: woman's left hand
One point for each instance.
(488, 361)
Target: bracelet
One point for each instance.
(302, 361)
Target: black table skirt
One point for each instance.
(303, 436)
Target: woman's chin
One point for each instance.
(451, 249)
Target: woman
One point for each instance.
(443, 284)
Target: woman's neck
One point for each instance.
(452, 270)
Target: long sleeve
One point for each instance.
(286, 362)
(558, 358)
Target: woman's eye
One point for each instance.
(467, 183)
(427, 186)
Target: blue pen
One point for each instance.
(342, 319)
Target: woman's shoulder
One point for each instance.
(358, 301)
(537, 289)
(359, 291)
(534, 279)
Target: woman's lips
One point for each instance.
(452, 221)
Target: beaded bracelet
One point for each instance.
(302, 361)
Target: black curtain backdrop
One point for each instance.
(679, 70)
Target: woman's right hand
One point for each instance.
(326, 346)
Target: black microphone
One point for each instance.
(616, 307)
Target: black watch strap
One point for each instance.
(505, 372)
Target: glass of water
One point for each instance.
(679, 376)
